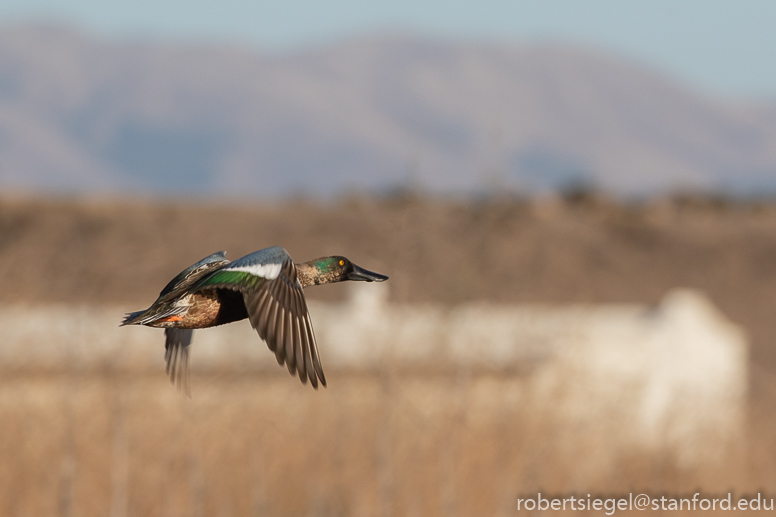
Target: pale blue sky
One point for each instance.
(726, 47)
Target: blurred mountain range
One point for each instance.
(81, 114)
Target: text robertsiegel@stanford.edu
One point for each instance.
(611, 504)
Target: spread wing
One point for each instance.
(276, 308)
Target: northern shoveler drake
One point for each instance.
(265, 287)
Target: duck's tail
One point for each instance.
(152, 315)
(132, 318)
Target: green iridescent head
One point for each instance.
(339, 269)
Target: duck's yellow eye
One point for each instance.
(342, 262)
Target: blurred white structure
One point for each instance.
(660, 377)
(667, 377)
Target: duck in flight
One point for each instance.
(265, 287)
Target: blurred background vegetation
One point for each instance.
(391, 442)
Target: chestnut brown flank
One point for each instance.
(208, 309)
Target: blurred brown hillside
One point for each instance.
(577, 249)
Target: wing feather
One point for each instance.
(280, 325)
(262, 316)
(272, 315)
(280, 350)
(301, 346)
(288, 342)
(297, 340)
(314, 350)
(176, 354)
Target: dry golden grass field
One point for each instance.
(383, 443)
